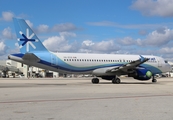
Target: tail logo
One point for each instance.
(27, 39)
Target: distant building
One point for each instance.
(12, 68)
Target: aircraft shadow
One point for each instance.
(147, 83)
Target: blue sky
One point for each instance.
(92, 26)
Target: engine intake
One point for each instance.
(141, 74)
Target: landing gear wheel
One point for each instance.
(154, 80)
(95, 80)
(116, 81)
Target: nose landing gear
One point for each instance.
(153, 79)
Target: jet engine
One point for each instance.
(141, 74)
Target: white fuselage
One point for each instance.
(88, 60)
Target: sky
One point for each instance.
(143, 27)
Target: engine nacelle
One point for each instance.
(141, 74)
(102, 72)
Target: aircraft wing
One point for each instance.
(129, 66)
(31, 57)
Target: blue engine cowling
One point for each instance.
(141, 74)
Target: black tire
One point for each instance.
(95, 80)
(154, 80)
(116, 80)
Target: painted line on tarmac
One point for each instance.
(86, 99)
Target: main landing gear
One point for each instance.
(115, 80)
(95, 80)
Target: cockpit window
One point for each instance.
(166, 61)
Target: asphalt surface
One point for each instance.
(79, 99)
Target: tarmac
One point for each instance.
(79, 99)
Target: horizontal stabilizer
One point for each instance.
(31, 57)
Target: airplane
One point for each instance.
(105, 66)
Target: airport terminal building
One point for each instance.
(9, 68)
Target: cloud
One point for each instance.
(86, 46)
(29, 23)
(67, 34)
(7, 34)
(56, 43)
(166, 53)
(166, 50)
(142, 32)
(127, 41)
(59, 43)
(3, 48)
(161, 30)
(157, 38)
(103, 23)
(106, 46)
(154, 41)
(139, 42)
(7, 16)
(161, 8)
(43, 28)
(130, 26)
(99, 47)
(87, 43)
(64, 27)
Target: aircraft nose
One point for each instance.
(169, 67)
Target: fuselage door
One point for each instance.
(159, 62)
(54, 60)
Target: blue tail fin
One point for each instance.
(27, 39)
